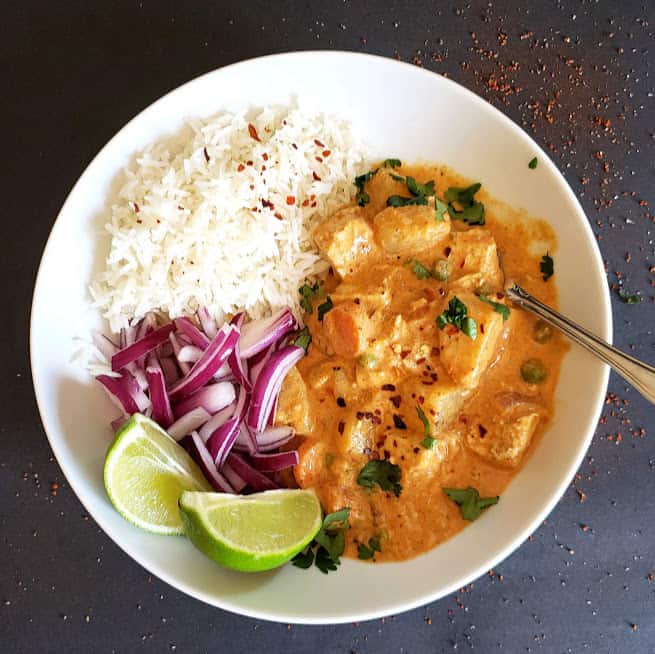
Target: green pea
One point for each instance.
(543, 332)
(368, 361)
(441, 269)
(533, 371)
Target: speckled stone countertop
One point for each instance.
(575, 75)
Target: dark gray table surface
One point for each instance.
(575, 75)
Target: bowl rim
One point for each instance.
(511, 546)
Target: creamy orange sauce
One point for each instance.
(378, 354)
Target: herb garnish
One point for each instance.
(628, 298)
(419, 193)
(428, 441)
(383, 473)
(401, 201)
(533, 163)
(365, 552)
(502, 309)
(328, 545)
(546, 267)
(392, 163)
(416, 188)
(303, 339)
(362, 197)
(470, 503)
(309, 293)
(421, 271)
(457, 315)
(440, 209)
(324, 308)
(472, 212)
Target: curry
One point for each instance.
(420, 377)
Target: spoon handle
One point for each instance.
(639, 374)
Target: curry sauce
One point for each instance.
(381, 358)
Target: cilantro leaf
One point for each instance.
(362, 197)
(472, 212)
(428, 441)
(628, 298)
(469, 501)
(303, 339)
(533, 163)
(419, 269)
(324, 562)
(324, 308)
(400, 201)
(416, 188)
(392, 163)
(502, 309)
(339, 517)
(307, 294)
(383, 473)
(397, 178)
(303, 559)
(365, 552)
(457, 315)
(440, 209)
(546, 267)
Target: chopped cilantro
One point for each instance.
(502, 309)
(307, 294)
(472, 211)
(428, 441)
(383, 473)
(470, 503)
(546, 267)
(397, 178)
(365, 552)
(628, 298)
(328, 545)
(303, 339)
(324, 308)
(457, 315)
(440, 209)
(416, 188)
(362, 198)
(392, 163)
(401, 201)
(419, 269)
(533, 163)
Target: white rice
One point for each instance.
(191, 227)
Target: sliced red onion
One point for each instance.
(203, 458)
(255, 479)
(207, 322)
(235, 361)
(212, 359)
(161, 406)
(259, 334)
(268, 384)
(175, 344)
(221, 441)
(224, 373)
(124, 391)
(271, 417)
(245, 441)
(276, 461)
(274, 437)
(236, 481)
(130, 335)
(189, 354)
(188, 423)
(257, 362)
(171, 371)
(216, 421)
(139, 374)
(192, 332)
(212, 398)
(139, 348)
(165, 350)
(105, 345)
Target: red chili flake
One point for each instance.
(252, 187)
(447, 250)
(318, 143)
(305, 203)
(253, 132)
(204, 151)
(319, 159)
(398, 422)
(316, 177)
(405, 353)
(388, 387)
(294, 146)
(278, 216)
(240, 168)
(291, 199)
(396, 400)
(136, 207)
(341, 426)
(326, 153)
(482, 328)
(267, 204)
(482, 430)
(248, 163)
(265, 156)
(341, 402)
(313, 204)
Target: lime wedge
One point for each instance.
(251, 532)
(145, 473)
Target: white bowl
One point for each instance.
(400, 110)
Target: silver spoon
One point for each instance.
(637, 373)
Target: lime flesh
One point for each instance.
(251, 533)
(145, 473)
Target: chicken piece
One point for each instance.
(312, 462)
(347, 327)
(346, 240)
(474, 262)
(408, 230)
(464, 358)
(442, 399)
(503, 442)
(293, 406)
(427, 462)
